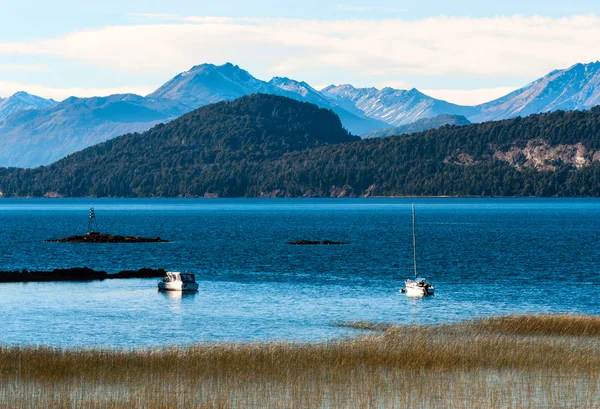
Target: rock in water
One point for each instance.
(312, 243)
(75, 274)
(106, 238)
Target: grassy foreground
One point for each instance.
(508, 362)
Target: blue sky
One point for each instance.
(463, 51)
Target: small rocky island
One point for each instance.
(94, 236)
(106, 238)
(314, 243)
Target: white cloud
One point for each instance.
(469, 96)
(8, 88)
(191, 19)
(353, 8)
(23, 67)
(368, 50)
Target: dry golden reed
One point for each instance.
(519, 362)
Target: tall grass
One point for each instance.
(511, 362)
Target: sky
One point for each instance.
(466, 52)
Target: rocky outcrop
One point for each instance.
(313, 243)
(75, 274)
(539, 155)
(106, 238)
(461, 159)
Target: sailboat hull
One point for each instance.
(418, 292)
(418, 288)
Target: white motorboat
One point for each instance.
(176, 281)
(417, 287)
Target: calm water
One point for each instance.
(485, 256)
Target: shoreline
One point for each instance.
(268, 198)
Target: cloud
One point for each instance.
(191, 19)
(8, 88)
(374, 50)
(23, 67)
(353, 8)
(469, 96)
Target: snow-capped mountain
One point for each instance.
(22, 101)
(355, 121)
(393, 106)
(35, 131)
(297, 90)
(577, 87)
(36, 137)
(207, 83)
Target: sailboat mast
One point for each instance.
(414, 240)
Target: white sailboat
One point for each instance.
(417, 287)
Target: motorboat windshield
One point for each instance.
(175, 276)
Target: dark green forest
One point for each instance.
(264, 145)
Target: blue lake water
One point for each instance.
(486, 257)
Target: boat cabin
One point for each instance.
(175, 276)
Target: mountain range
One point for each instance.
(35, 131)
(271, 146)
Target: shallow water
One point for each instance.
(486, 257)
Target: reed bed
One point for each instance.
(510, 362)
(547, 324)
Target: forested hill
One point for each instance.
(207, 149)
(271, 146)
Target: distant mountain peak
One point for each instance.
(201, 66)
(393, 106)
(299, 87)
(334, 89)
(573, 88)
(25, 96)
(208, 83)
(21, 101)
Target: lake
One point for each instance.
(485, 256)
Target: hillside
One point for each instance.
(205, 151)
(421, 125)
(553, 154)
(41, 136)
(273, 146)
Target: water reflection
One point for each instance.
(416, 304)
(178, 295)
